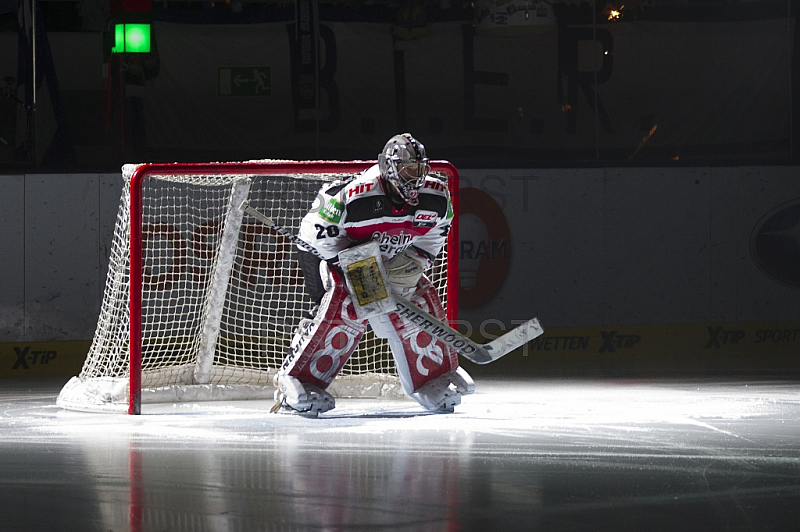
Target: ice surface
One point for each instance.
(516, 455)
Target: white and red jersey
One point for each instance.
(358, 210)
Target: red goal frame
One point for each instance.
(141, 173)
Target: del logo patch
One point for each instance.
(424, 219)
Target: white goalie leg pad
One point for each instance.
(291, 394)
(462, 381)
(319, 350)
(437, 395)
(428, 368)
(443, 393)
(383, 328)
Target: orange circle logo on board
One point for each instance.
(484, 247)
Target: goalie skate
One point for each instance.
(443, 393)
(294, 397)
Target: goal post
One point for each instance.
(201, 299)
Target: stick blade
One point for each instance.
(503, 345)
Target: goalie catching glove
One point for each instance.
(406, 268)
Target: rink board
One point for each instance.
(655, 350)
(42, 359)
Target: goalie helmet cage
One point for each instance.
(201, 300)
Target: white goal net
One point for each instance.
(209, 307)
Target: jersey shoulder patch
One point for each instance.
(332, 211)
(333, 208)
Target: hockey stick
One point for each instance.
(472, 351)
(245, 206)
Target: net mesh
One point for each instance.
(216, 281)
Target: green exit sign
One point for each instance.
(131, 39)
(245, 81)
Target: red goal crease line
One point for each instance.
(252, 168)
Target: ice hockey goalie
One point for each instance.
(407, 212)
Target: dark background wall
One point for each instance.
(484, 84)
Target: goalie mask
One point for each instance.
(404, 164)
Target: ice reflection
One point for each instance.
(365, 480)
